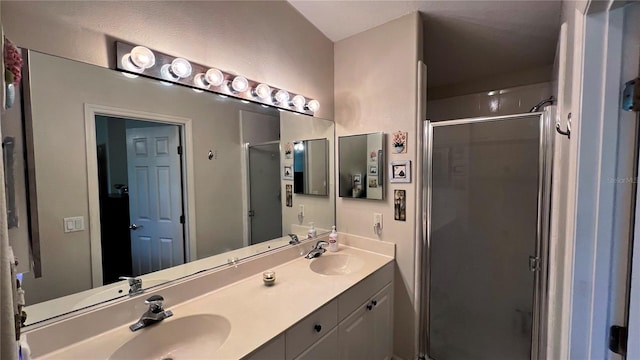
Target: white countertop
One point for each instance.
(257, 313)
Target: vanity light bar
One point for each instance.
(139, 60)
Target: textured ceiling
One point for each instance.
(464, 40)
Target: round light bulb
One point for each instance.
(214, 77)
(200, 81)
(262, 91)
(298, 101)
(181, 67)
(281, 97)
(240, 84)
(128, 65)
(142, 57)
(313, 105)
(167, 73)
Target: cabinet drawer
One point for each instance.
(349, 301)
(311, 329)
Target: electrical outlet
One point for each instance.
(377, 220)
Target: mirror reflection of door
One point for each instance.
(140, 196)
(265, 200)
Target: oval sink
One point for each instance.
(338, 264)
(189, 337)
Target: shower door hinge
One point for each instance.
(534, 263)
(618, 339)
(631, 95)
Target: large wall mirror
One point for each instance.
(361, 163)
(131, 177)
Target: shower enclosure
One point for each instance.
(486, 199)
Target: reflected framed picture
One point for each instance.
(373, 170)
(400, 171)
(287, 172)
(289, 195)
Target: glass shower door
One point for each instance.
(483, 228)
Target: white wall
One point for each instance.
(376, 81)
(508, 101)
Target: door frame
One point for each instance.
(596, 85)
(187, 176)
(543, 228)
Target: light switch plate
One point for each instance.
(377, 219)
(72, 224)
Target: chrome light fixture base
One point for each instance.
(196, 79)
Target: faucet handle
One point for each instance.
(321, 243)
(294, 239)
(131, 279)
(155, 302)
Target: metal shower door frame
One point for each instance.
(543, 221)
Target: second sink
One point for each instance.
(336, 264)
(188, 337)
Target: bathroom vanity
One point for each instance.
(339, 305)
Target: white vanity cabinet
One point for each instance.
(357, 325)
(368, 332)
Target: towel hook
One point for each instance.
(567, 133)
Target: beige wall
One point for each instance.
(268, 41)
(376, 90)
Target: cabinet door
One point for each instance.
(356, 335)
(323, 349)
(382, 323)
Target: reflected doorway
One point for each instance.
(140, 195)
(265, 198)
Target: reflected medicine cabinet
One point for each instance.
(361, 166)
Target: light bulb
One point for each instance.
(181, 67)
(214, 77)
(167, 74)
(142, 57)
(127, 64)
(240, 84)
(281, 97)
(298, 101)
(313, 105)
(200, 81)
(262, 91)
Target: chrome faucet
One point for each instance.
(317, 250)
(135, 284)
(294, 239)
(154, 314)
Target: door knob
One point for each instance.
(135, 227)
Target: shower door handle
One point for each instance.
(534, 263)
